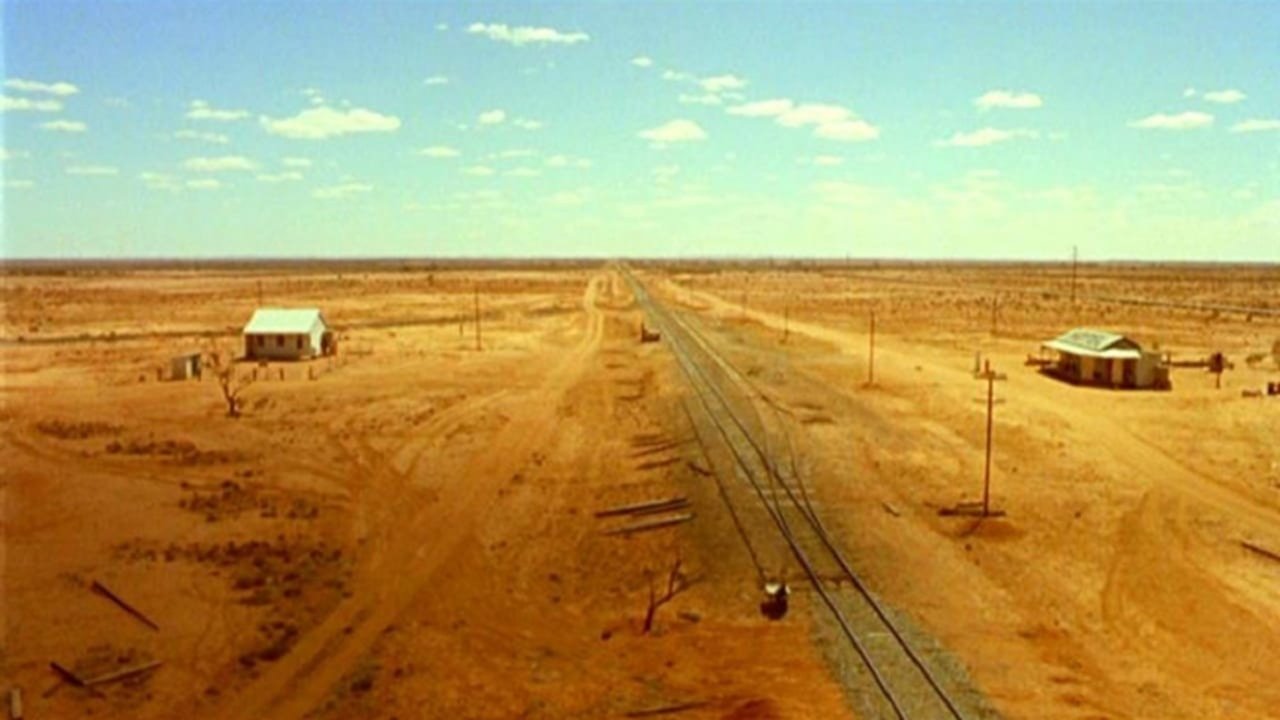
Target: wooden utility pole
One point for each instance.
(786, 322)
(995, 305)
(1073, 274)
(991, 377)
(477, 303)
(986, 472)
(871, 353)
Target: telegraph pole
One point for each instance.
(986, 473)
(1074, 257)
(991, 376)
(477, 303)
(995, 304)
(871, 353)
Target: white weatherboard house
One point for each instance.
(287, 334)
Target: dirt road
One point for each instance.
(414, 544)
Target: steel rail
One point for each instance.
(819, 528)
(698, 377)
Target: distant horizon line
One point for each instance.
(578, 259)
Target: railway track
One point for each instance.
(900, 682)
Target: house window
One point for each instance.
(299, 342)
(262, 340)
(279, 341)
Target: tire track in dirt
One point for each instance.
(415, 548)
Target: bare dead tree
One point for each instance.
(677, 582)
(231, 385)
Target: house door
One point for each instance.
(1130, 373)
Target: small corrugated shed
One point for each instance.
(185, 367)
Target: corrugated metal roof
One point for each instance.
(271, 321)
(1095, 343)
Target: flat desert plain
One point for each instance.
(408, 529)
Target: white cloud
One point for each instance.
(286, 176)
(19, 184)
(1256, 125)
(219, 164)
(204, 184)
(832, 122)
(439, 151)
(61, 89)
(527, 124)
(721, 83)
(563, 161)
(67, 126)
(642, 61)
(848, 131)
(828, 160)
(985, 136)
(525, 35)
(209, 137)
(92, 170)
(762, 108)
(1008, 99)
(337, 192)
(442, 26)
(297, 162)
(1225, 97)
(522, 172)
(201, 110)
(679, 130)
(26, 104)
(814, 114)
(704, 99)
(160, 181)
(319, 123)
(1189, 92)
(436, 80)
(676, 76)
(1182, 121)
(492, 117)
(478, 170)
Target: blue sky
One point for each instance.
(920, 130)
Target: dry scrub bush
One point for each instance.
(231, 385)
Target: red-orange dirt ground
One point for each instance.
(408, 529)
